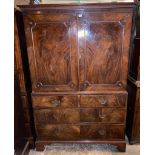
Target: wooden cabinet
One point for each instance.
(78, 59)
(133, 112)
(21, 72)
(22, 122)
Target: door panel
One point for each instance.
(51, 54)
(103, 57)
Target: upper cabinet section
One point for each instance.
(78, 48)
(77, 1)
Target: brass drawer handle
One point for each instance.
(103, 101)
(85, 85)
(56, 132)
(56, 102)
(80, 15)
(102, 132)
(102, 116)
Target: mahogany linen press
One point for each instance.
(78, 59)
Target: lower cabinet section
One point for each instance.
(80, 118)
(80, 132)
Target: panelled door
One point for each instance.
(52, 45)
(103, 40)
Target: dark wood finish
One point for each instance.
(68, 115)
(49, 101)
(111, 100)
(57, 132)
(46, 116)
(134, 71)
(103, 50)
(134, 68)
(133, 112)
(104, 115)
(80, 132)
(52, 60)
(102, 132)
(22, 72)
(78, 59)
(19, 130)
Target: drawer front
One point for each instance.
(55, 101)
(80, 132)
(103, 100)
(58, 132)
(104, 115)
(102, 132)
(46, 116)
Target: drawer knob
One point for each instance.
(56, 102)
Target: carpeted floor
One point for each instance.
(86, 149)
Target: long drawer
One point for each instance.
(77, 115)
(80, 132)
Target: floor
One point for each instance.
(130, 150)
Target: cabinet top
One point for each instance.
(77, 1)
(37, 5)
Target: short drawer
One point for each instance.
(58, 132)
(104, 115)
(45, 101)
(102, 132)
(103, 100)
(57, 116)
